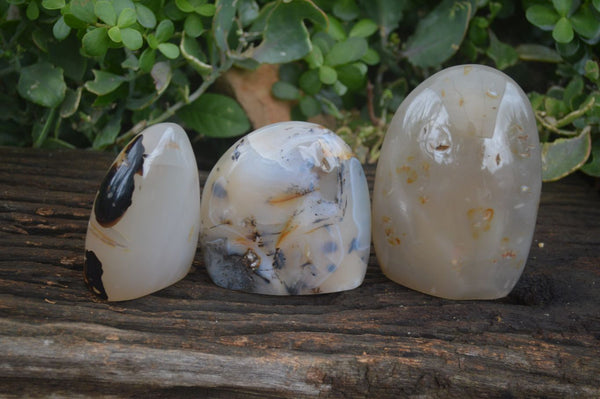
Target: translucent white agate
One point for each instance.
(286, 211)
(458, 185)
(144, 226)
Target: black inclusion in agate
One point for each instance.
(92, 274)
(116, 190)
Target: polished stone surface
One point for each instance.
(458, 185)
(143, 230)
(286, 211)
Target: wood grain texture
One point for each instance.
(195, 339)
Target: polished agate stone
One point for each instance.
(286, 211)
(458, 185)
(143, 230)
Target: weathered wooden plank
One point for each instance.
(196, 339)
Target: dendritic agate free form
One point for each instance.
(286, 211)
(143, 230)
(458, 185)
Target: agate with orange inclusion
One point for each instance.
(458, 185)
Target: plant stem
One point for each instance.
(169, 112)
(570, 117)
(374, 119)
(539, 116)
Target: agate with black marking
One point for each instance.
(458, 185)
(286, 211)
(144, 226)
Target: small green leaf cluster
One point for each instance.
(568, 118)
(412, 41)
(567, 19)
(92, 73)
(336, 64)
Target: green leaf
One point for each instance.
(331, 108)
(73, 22)
(33, 11)
(363, 28)
(386, 13)
(592, 166)
(132, 39)
(327, 75)
(106, 12)
(56, 143)
(248, 11)
(285, 91)
(439, 35)
(96, 41)
(127, 18)
(563, 7)
(206, 10)
(83, 10)
(563, 31)
(285, 36)
(537, 52)
(161, 73)
(138, 104)
(371, 57)
(169, 50)
(310, 106)
(339, 88)
(502, 54)
(109, 132)
(172, 12)
(565, 155)
(60, 29)
(314, 59)
(323, 41)
(40, 39)
(184, 5)
(353, 76)
(111, 98)
(309, 81)
(71, 102)
(346, 10)
(222, 22)
(193, 26)
(596, 4)
(164, 30)
(115, 34)
(573, 89)
(350, 50)
(53, 4)
(336, 29)
(43, 84)
(147, 59)
(541, 16)
(572, 51)
(145, 16)
(555, 107)
(152, 41)
(215, 115)
(191, 51)
(121, 5)
(478, 34)
(104, 82)
(592, 71)
(585, 23)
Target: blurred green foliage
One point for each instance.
(93, 73)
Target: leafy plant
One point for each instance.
(84, 69)
(453, 32)
(92, 73)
